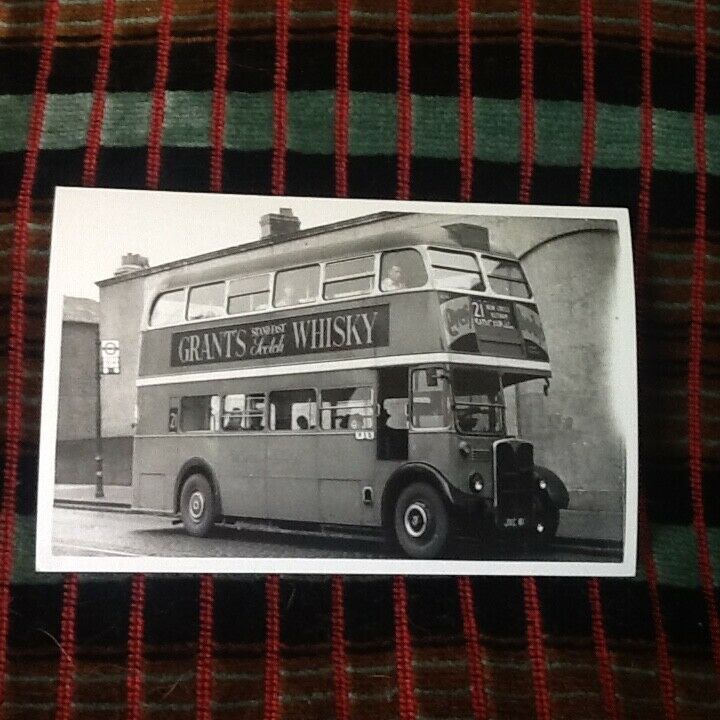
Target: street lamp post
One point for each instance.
(99, 491)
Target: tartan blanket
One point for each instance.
(547, 101)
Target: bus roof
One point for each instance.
(346, 238)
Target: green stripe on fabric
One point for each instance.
(311, 122)
(66, 121)
(187, 119)
(373, 127)
(558, 129)
(373, 123)
(248, 121)
(14, 119)
(127, 120)
(497, 130)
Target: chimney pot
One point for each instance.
(280, 223)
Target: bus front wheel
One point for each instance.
(421, 519)
(197, 506)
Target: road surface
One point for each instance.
(96, 532)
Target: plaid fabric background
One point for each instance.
(552, 101)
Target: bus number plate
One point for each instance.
(364, 434)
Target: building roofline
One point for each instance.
(254, 245)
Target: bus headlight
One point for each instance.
(476, 482)
(464, 448)
(542, 485)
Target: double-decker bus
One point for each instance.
(348, 378)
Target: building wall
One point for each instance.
(78, 391)
(121, 307)
(574, 426)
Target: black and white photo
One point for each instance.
(249, 384)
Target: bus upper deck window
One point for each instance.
(506, 277)
(347, 278)
(401, 270)
(249, 294)
(457, 270)
(297, 286)
(206, 301)
(169, 308)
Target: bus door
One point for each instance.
(242, 461)
(346, 452)
(392, 422)
(292, 469)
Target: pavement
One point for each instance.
(605, 528)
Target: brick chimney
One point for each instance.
(281, 223)
(131, 262)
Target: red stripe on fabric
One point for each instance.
(533, 616)
(66, 671)
(97, 111)
(641, 244)
(157, 114)
(204, 667)
(342, 97)
(646, 145)
(404, 102)
(280, 111)
(465, 98)
(697, 307)
(16, 341)
(527, 99)
(136, 639)
(403, 652)
(589, 105)
(536, 649)
(645, 550)
(272, 648)
(341, 678)
(475, 653)
(219, 101)
(602, 652)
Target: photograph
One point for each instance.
(273, 384)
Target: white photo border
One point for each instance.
(626, 362)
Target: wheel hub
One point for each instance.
(416, 519)
(196, 506)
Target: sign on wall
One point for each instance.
(110, 357)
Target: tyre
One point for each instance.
(197, 505)
(421, 521)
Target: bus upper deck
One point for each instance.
(438, 288)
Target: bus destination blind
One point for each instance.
(354, 329)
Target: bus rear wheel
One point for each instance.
(197, 506)
(421, 520)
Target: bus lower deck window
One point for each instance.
(293, 410)
(243, 412)
(346, 409)
(199, 412)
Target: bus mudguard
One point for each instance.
(409, 472)
(554, 487)
(196, 465)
